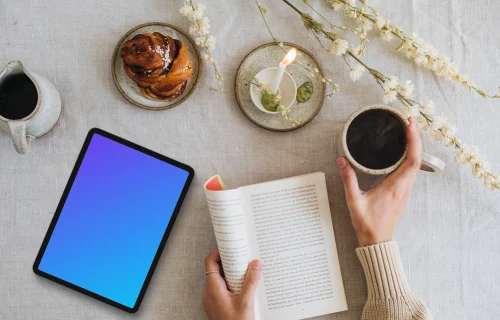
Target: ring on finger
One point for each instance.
(212, 271)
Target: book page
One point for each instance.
(290, 230)
(228, 219)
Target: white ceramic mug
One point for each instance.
(44, 115)
(429, 162)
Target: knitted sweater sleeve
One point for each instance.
(389, 294)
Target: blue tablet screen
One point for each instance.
(113, 220)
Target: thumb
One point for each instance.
(349, 178)
(251, 281)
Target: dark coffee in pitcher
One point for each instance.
(376, 139)
(18, 97)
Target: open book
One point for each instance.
(287, 224)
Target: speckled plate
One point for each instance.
(270, 55)
(129, 88)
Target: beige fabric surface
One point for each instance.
(448, 235)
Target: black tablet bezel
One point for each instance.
(63, 201)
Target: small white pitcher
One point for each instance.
(43, 117)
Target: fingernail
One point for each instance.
(341, 162)
(412, 123)
(256, 264)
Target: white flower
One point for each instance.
(407, 44)
(386, 34)
(480, 167)
(441, 68)
(413, 52)
(206, 42)
(432, 64)
(411, 111)
(339, 47)
(366, 24)
(449, 130)
(200, 27)
(451, 70)
(466, 152)
(391, 83)
(433, 134)
(417, 40)
(436, 135)
(356, 51)
(336, 5)
(351, 13)
(430, 50)
(186, 10)
(428, 107)
(422, 124)
(357, 72)
(489, 181)
(389, 96)
(464, 79)
(190, 13)
(380, 23)
(407, 89)
(421, 59)
(438, 122)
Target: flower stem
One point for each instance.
(265, 21)
(292, 6)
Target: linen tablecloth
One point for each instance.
(448, 235)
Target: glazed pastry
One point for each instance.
(158, 64)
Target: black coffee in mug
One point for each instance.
(376, 139)
(18, 97)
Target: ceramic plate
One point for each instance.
(270, 55)
(129, 88)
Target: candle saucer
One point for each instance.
(287, 89)
(269, 56)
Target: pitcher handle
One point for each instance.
(431, 163)
(18, 134)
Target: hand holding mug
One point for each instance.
(375, 213)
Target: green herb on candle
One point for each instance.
(269, 102)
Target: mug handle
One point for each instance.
(431, 163)
(18, 134)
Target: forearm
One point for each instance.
(389, 294)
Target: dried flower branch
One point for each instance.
(437, 127)
(200, 28)
(414, 48)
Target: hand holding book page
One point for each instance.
(287, 224)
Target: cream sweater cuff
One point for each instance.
(383, 270)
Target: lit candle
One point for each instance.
(288, 59)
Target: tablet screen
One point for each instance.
(112, 223)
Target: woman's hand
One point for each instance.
(220, 303)
(375, 213)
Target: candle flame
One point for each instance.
(290, 56)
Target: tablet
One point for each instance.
(113, 220)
